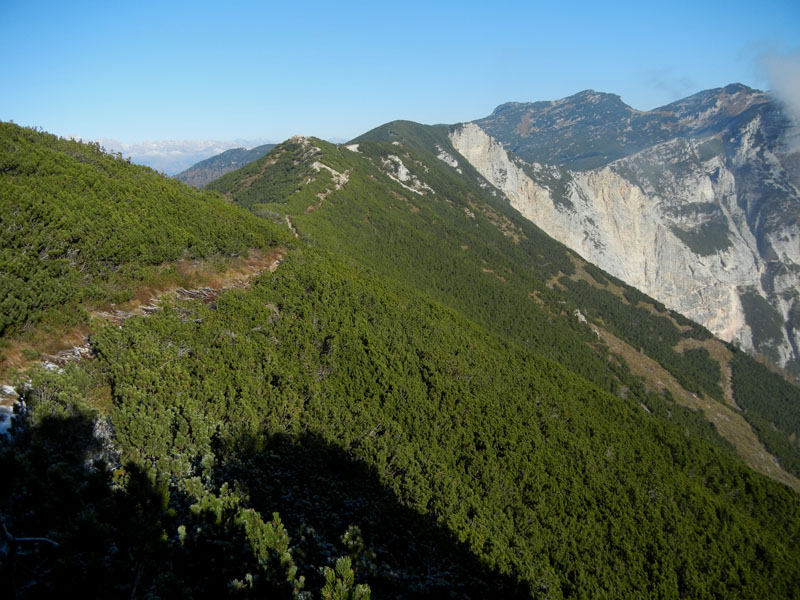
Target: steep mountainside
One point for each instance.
(437, 247)
(427, 395)
(403, 202)
(201, 174)
(695, 203)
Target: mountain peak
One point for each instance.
(590, 129)
(583, 97)
(594, 96)
(507, 106)
(738, 87)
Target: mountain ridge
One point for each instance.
(428, 395)
(591, 129)
(414, 173)
(204, 172)
(704, 117)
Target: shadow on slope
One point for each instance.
(64, 524)
(321, 491)
(131, 536)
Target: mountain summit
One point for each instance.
(695, 203)
(591, 129)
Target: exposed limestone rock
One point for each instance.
(60, 359)
(339, 179)
(447, 158)
(673, 221)
(396, 170)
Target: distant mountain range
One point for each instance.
(592, 129)
(206, 171)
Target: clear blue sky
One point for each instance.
(267, 70)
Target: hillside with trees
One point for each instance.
(83, 226)
(460, 242)
(417, 402)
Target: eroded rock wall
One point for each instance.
(675, 221)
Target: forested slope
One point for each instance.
(417, 399)
(274, 399)
(416, 211)
(78, 224)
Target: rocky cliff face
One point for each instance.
(706, 218)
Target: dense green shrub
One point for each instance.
(79, 224)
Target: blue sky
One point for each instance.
(267, 70)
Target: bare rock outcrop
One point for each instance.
(683, 221)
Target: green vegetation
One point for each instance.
(653, 335)
(409, 406)
(485, 266)
(764, 321)
(772, 406)
(286, 176)
(710, 238)
(270, 400)
(80, 225)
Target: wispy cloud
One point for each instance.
(783, 73)
(671, 85)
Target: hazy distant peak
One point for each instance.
(172, 156)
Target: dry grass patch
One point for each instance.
(728, 421)
(40, 343)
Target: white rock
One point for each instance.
(626, 228)
(446, 157)
(397, 170)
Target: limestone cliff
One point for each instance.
(707, 222)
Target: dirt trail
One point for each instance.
(74, 344)
(238, 276)
(290, 225)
